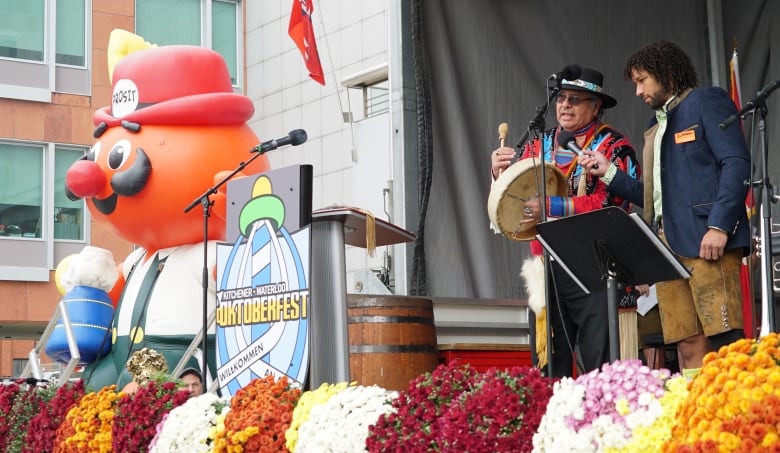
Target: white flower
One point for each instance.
(340, 425)
(600, 410)
(187, 428)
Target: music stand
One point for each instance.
(609, 244)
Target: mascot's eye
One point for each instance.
(119, 154)
(93, 153)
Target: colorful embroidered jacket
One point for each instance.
(594, 195)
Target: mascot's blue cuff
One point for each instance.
(560, 206)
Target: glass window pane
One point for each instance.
(165, 22)
(223, 34)
(71, 32)
(68, 214)
(21, 193)
(22, 27)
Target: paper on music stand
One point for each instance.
(646, 303)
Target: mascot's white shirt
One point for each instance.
(176, 303)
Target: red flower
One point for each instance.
(456, 408)
(137, 415)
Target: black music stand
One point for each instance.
(609, 244)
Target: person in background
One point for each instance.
(576, 318)
(693, 193)
(192, 381)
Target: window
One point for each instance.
(208, 23)
(71, 37)
(39, 225)
(27, 32)
(19, 365)
(376, 99)
(68, 214)
(21, 193)
(22, 26)
(375, 91)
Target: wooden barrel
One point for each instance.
(392, 339)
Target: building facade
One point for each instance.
(54, 75)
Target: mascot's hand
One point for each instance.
(220, 198)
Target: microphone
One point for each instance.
(567, 140)
(294, 138)
(570, 72)
(758, 100)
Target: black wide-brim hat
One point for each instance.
(590, 81)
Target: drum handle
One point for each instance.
(503, 130)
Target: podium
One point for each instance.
(609, 244)
(332, 229)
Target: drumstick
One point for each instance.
(503, 129)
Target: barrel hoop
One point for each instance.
(396, 302)
(390, 319)
(379, 348)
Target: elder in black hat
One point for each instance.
(592, 82)
(576, 318)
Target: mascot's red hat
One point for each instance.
(174, 85)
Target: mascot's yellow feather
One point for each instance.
(122, 43)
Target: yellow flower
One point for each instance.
(306, 402)
(733, 402)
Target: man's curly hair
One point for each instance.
(666, 62)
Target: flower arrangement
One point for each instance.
(412, 424)
(87, 426)
(259, 415)
(340, 424)
(8, 395)
(456, 408)
(651, 437)
(302, 410)
(27, 404)
(190, 427)
(733, 405)
(500, 414)
(43, 426)
(734, 402)
(136, 415)
(599, 410)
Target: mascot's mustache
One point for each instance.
(125, 183)
(131, 181)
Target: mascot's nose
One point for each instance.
(85, 179)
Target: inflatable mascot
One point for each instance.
(174, 128)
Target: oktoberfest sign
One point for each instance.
(263, 297)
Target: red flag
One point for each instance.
(736, 95)
(301, 31)
(747, 288)
(734, 87)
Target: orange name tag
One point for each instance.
(685, 136)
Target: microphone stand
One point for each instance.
(207, 203)
(767, 198)
(537, 125)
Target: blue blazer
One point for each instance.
(703, 179)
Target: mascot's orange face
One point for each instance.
(173, 125)
(140, 179)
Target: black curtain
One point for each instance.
(486, 62)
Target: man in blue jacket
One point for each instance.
(694, 194)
